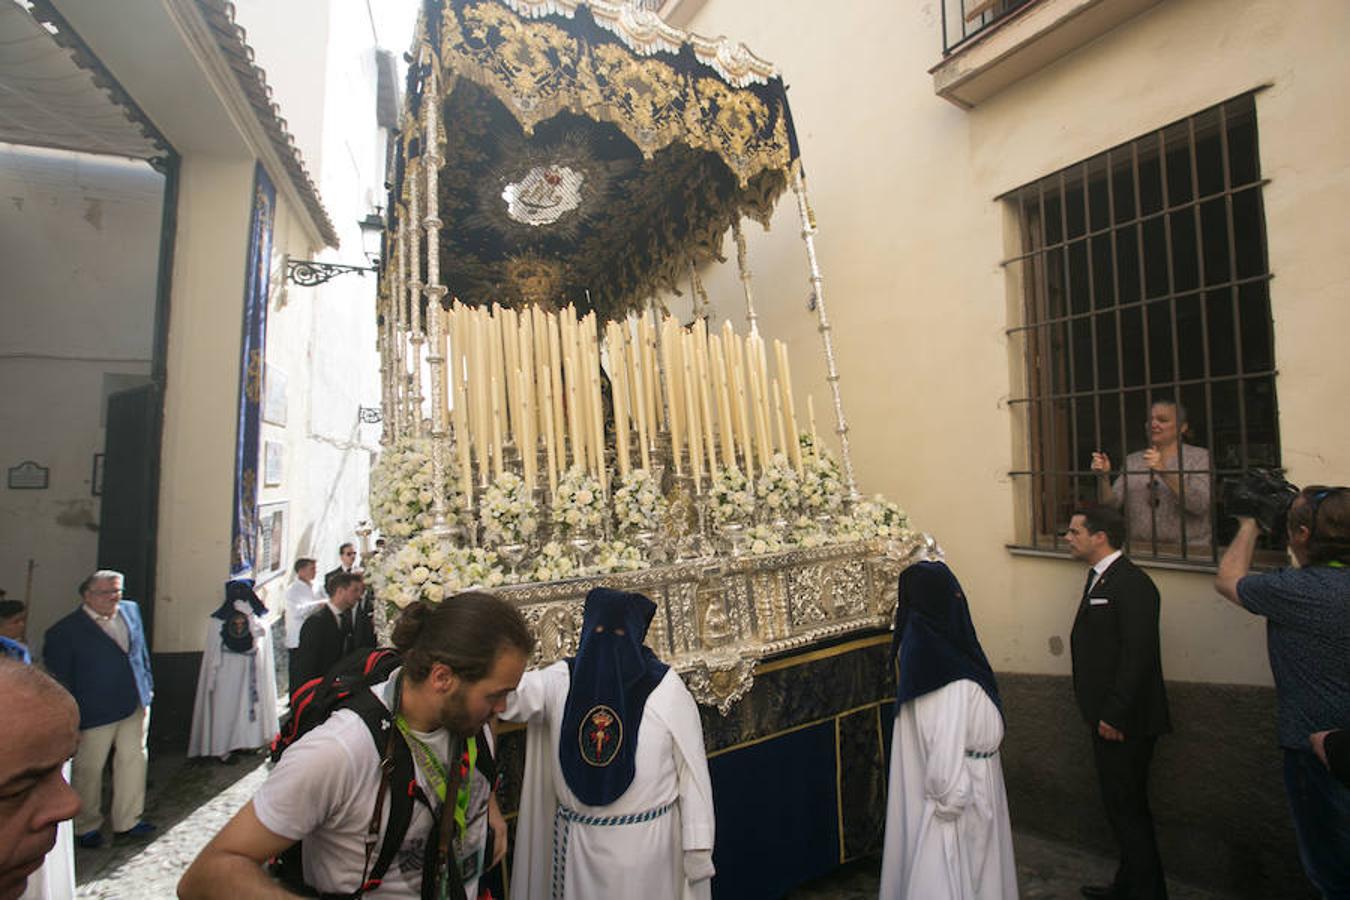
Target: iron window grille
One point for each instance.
(1142, 275)
(963, 20)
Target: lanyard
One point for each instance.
(435, 772)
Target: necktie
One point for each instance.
(346, 630)
(1087, 585)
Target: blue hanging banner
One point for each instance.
(257, 281)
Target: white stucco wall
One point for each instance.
(903, 185)
(79, 245)
(324, 337)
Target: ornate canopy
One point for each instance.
(589, 151)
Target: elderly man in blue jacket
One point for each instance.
(98, 653)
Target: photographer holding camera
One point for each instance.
(1307, 612)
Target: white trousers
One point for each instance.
(125, 739)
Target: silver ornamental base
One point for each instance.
(733, 538)
(583, 551)
(717, 617)
(513, 555)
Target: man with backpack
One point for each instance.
(385, 778)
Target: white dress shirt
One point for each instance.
(302, 598)
(1099, 568)
(114, 625)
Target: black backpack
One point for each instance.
(347, 686)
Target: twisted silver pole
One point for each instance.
(826, 332)
(400, 368)
(435, 292)
(382, 348)
(415, 285)
(743, 264)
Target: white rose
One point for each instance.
(433, 593)
(419, 575)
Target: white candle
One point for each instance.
(672, 379)
(525, 439)
(724, 416)
(592, 338)
(496, 429)
(690, 407)
(737, 358)
(789, 407)
(700, 339)
(639, 385)
(778, 414)
(618, 395)
(482, 428)
(461, 412)
(811, 414)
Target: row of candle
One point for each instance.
(531, 379)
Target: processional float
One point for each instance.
(561, 167)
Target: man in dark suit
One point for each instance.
(1117, 678)
(99, 654)
(332, 631)
(347, 555)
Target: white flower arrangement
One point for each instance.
(763, 539)
(806, 532)
(638, 504)
(401, 492)
(508, 511)
(878, 517)
(731, 497)
(807, 443)
(554, 563)
(616, 556)
(822, 484)
(578, 505)
(425, 568)
(778, 490)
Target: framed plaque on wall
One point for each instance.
(271, 540)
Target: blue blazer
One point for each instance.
(107, 684)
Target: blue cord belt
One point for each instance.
(566, 816)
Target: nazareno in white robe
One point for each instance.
(236, 705)
(642, 860)
(947, 830)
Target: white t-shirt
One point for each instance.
(323, 792)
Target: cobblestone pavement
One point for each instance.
(1046, 870)
(191, 801)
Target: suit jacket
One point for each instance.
(321, 643)
(107, 684)
(1117, 663)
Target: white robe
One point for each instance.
(647, 860)
(236, 704)
(947, 831)
(55, 880)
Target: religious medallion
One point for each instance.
(600, 736)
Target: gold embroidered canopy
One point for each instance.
(589, 153)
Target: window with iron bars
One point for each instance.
(1144, 291)
(963, 20)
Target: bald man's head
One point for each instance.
(42, 727)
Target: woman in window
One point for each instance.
(1162, 487)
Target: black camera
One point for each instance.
(1263, 494)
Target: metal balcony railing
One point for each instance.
(963, 20)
